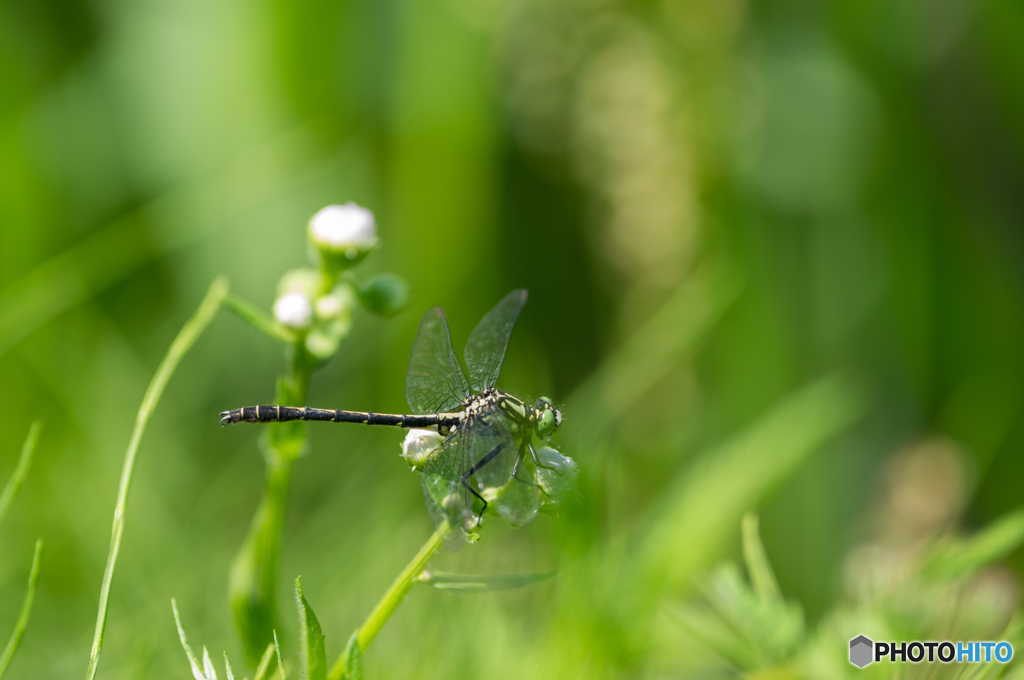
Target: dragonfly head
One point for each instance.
(548, 417)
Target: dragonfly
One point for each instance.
(486, 454)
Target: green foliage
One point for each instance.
(188, 335)
(313, 654)
(21, 471)
(353, 669)
(723, 209)
(478, 584)
(26, 609)
(956, 558)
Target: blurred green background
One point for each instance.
(713, 203)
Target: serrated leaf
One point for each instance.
(314, 653)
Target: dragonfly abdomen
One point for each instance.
(280, 414)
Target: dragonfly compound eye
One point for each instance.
(547, 422)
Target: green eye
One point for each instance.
(546, 424)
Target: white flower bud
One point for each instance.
(418, 446)
(348, 229)
(294, 311)
(335, 304)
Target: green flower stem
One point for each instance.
(186, 338)
(253, 580)
(26, 609)
(392, 598)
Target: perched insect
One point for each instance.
(487, 434)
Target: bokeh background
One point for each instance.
(715, 204)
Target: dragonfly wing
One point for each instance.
(446, 497)
(478, 449)
(435, 382)
(519, 500)
(489, 429)
(485, 350)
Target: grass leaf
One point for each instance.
(192, 660)
(280, 660)
(21, 471)
(26, 609)
(477, 584)
(758, 567)
(736, 475)
(263, 669)
(952, 559)
(186, 338)
(314, 654)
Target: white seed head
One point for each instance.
(348, 228)
(294, 310)
(418, 445)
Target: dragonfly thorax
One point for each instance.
(541, 418)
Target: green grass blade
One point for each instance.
(193, 661)
(280, 660)
(468, 583)
(258, 319)
(263, 669)
(186, 338)
(26, 609)
(954, 559)
(21, 471)
(730, 479)
(758, 567)
(314, 654)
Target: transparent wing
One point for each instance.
(435, 382)
(485, 350)
(474, 443)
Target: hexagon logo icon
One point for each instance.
(861, 651)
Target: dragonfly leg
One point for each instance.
(469, 473)
(465, 483)
(515, 475)
(536, 460)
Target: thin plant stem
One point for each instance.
(21, 471)
(392, 598)
(258, 319)
(186, 338)
(26, 609)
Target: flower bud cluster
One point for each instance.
(318, 304)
